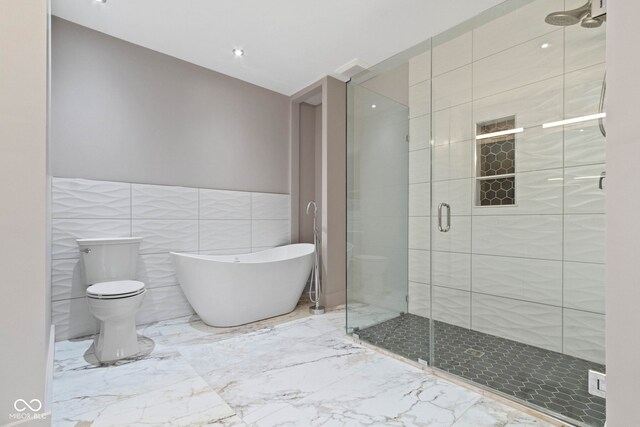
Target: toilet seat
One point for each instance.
(115, 289)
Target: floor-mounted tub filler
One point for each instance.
(232, 290)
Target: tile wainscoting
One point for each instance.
(168, 218)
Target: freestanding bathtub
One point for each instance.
(232, 290)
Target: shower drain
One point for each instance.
(474, 352)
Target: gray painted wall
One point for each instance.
(308, 133)
(121, 112)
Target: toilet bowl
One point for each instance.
(115, 305)
(113, 295)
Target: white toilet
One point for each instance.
(113, 296)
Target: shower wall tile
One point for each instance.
(584, 286)
(457, 193)
(451, 270)
(419, 132)
(538, 148)
(419, 199)
(584, 238)
(419, 166)
(163, 303)
(270, 206)
(453, 161)
(584, 144)
(163, 202)
(270, 233)
(452, 54)
(83, 198)
(532, 280)
(419, 266)
(513, 28)
(420, 68)
(238, 251)
(170, 235)
(419, 299)
(527, 236)
(452, 306)
(519, 66)
(584, 335)
(420, 99)
(65, 232)
(67, 279)
(87, 208)
(156, 270)
(581, 191)
(221, 204)
(72, 319)
(535, 324)
(452, 88)
(582, 91)
(419, 227)
(453, 124)
(584, 48)
(538, 192)
(532, 105)
(225, 234)
(457, 239)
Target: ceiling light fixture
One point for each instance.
(575, 120)
(500, 133)
(238, 52)
(545, 45)
(373, 105)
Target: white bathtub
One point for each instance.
(232, 290)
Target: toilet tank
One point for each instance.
(109, 259)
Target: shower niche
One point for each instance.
(475, 216)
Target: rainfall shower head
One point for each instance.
(589, 22)
(569, 17)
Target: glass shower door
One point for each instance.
(517, 236)
(377, 204)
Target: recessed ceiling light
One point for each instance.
(373, 105)
(238, 52)
(545, 45)
(101, 1)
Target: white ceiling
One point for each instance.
(288, 44)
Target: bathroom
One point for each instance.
(425, 227)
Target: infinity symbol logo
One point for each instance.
(21, 405)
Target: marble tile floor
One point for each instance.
(287, 371)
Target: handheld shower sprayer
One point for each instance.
(314, 287)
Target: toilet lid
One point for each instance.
(116, 289)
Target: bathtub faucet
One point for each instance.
(314, 287)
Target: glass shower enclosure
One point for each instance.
(475, 224)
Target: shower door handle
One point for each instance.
(448, 226)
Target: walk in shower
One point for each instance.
(475, 205)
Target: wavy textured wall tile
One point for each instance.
(452, 54)
(528, 236)
(163, 303)
(453, 125)
(419, 99)
(457, 239)
(452, 306)
(419, 166)
(419, 227)
(419, 195)
(535, 324)
(270, 206)
(584, 144)
(582, 91)
(584, 286)
(270, 233)
(67, 279)
(419, 132)
(584, 335)
(538, 148)
(83, 198)
(159, 235)
(419, 266)
(419, 299)
(451, 270)
(238, 251)
(163, 202)
(219, 204)
(65, 232)
(584, 238)
(582, 193)
(453, 161)
(156, 270)
(225, 234)
(420, 68)
(457, 193)
(452, 88)
(532, 280)
(72, 319)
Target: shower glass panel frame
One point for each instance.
(508, 297)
